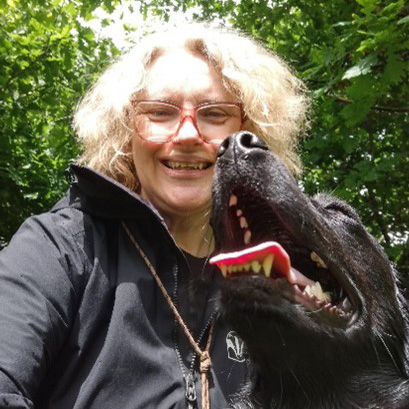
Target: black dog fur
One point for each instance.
(305, 354)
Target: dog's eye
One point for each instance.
(336, 207)
(342, 208)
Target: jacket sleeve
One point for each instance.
(38, 300)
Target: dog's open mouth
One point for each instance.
(259, 245)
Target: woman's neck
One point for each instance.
(193, 235)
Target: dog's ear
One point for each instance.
(329, 202)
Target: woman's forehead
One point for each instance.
(181, 72)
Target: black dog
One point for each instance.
(329, 332)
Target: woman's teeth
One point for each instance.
(186, 165)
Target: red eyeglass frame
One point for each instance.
(192, 114)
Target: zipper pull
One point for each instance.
(190, 391)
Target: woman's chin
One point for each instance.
(187, 203)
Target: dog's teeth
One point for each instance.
(307, 290)
(346, 305)
(247, 237)
(247, 267)
(243, 222)
(327, 296)
(317, 259)
(255, 266)
(239, 212)
(316, 291)
(268, 264)
(233, 200)
(223, 268)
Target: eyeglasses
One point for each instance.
(159, 121)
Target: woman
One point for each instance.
(108, 299)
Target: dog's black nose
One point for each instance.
(241, 142)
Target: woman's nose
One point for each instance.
(187, 131)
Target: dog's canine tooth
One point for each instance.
(223, 268)
(243, 222)
(317, 292)
(255, 266)
(232, 200)
(317, 259)
(268, 264)
(247, 237)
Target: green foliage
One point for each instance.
(47, 60)
(353, 55)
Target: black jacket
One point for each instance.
(82, 323)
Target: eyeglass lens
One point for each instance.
(159, 121)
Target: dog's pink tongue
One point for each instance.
(282, 263)
(259, 252)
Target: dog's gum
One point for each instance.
(259, 253)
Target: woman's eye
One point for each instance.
(214, 115)
(160, 114)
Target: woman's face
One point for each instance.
(176, 176)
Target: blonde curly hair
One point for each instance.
(274, 100)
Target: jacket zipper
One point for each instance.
(188, 375)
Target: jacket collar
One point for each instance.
(99, 195)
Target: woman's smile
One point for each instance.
(186, 166)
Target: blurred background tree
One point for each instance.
(47, 60)
(353, 55)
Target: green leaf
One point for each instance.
(362, 88)
(394, 70)
(362, 67)
(403, 20)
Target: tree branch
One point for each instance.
(401, 110)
